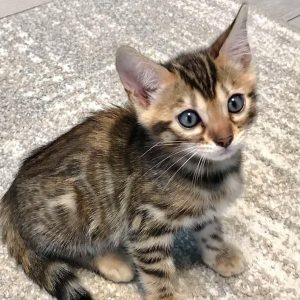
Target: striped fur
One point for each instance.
(131, 178)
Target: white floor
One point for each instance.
(285, 10)
(10, 7)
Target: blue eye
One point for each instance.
(236, 103)
(189, 118)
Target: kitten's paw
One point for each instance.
(114, 267)
(173, 297)
(230, 261)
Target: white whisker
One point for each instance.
(165, 171)
(179, 169)
(169, 143)
(196, 171)
(171, 155)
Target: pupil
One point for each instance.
(189, 118)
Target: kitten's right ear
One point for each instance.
(141, 77)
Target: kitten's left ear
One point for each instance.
(232, 46)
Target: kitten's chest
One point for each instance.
(190, 205)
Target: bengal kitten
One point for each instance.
(133, 176)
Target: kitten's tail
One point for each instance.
(56, 277)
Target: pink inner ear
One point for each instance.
(143, 97)
(138, 84)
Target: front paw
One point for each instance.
(230, 261)
(159, 297)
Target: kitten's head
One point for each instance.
(202, 101)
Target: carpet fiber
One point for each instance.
(57, 65)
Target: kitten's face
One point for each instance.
(205, 105)
(200, 102)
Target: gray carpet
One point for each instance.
(57, 65)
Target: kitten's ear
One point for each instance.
(232, 46)
(141, 77)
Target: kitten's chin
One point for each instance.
(221, 154)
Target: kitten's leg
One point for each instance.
(115, 267)
(222, 257)
(155, 266)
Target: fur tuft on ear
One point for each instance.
(140, 76)
(232, 46)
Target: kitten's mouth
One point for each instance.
(222, 153)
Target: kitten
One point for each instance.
(132, 177)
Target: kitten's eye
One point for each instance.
(189, 118)
(236, 103)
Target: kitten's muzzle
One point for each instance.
(221, 132)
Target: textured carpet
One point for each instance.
(57, 65)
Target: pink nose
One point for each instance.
(223, 141)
